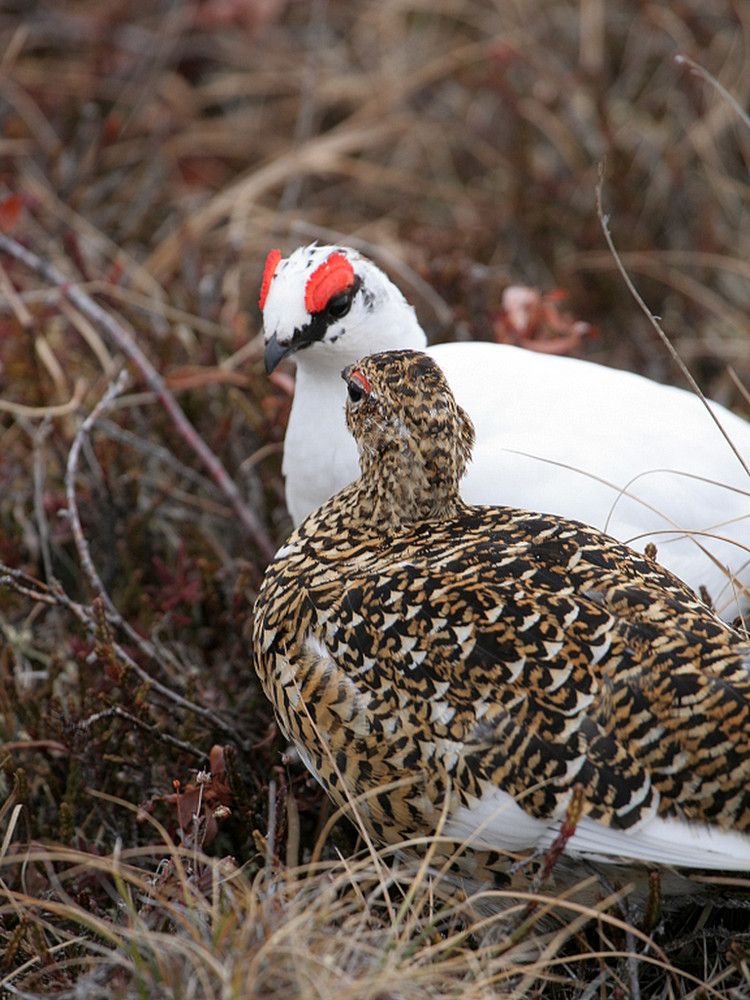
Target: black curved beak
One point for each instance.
(276, 352)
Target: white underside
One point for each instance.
(499, 822)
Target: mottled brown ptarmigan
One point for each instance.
(642, 461)
(428, 656)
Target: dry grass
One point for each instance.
(368, 926)
(151, 154)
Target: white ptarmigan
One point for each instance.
(643, 461)
(472, 670)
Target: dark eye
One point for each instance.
(339, 305)
(358, 387)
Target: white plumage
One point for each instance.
(643, 461)
(497, 820)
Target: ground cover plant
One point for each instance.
(154, 840)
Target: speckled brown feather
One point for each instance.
(473, 648)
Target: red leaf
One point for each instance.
(10, 211)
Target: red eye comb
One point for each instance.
(272, 262)
(334, 275)
(360, 381)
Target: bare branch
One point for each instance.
(116, 710)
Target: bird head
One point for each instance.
(325, 301)
(405, 419)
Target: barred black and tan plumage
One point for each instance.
(497, 657)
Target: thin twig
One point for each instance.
(116, 710)
(604, 220)
(15, 301)
(40, 515)
(700, 71)
(57, 410)
(113, 390)
(120, 336)
(632, 966)
(739, 384)
(271, 837)
(21, 583)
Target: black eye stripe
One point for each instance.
(317, 326)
